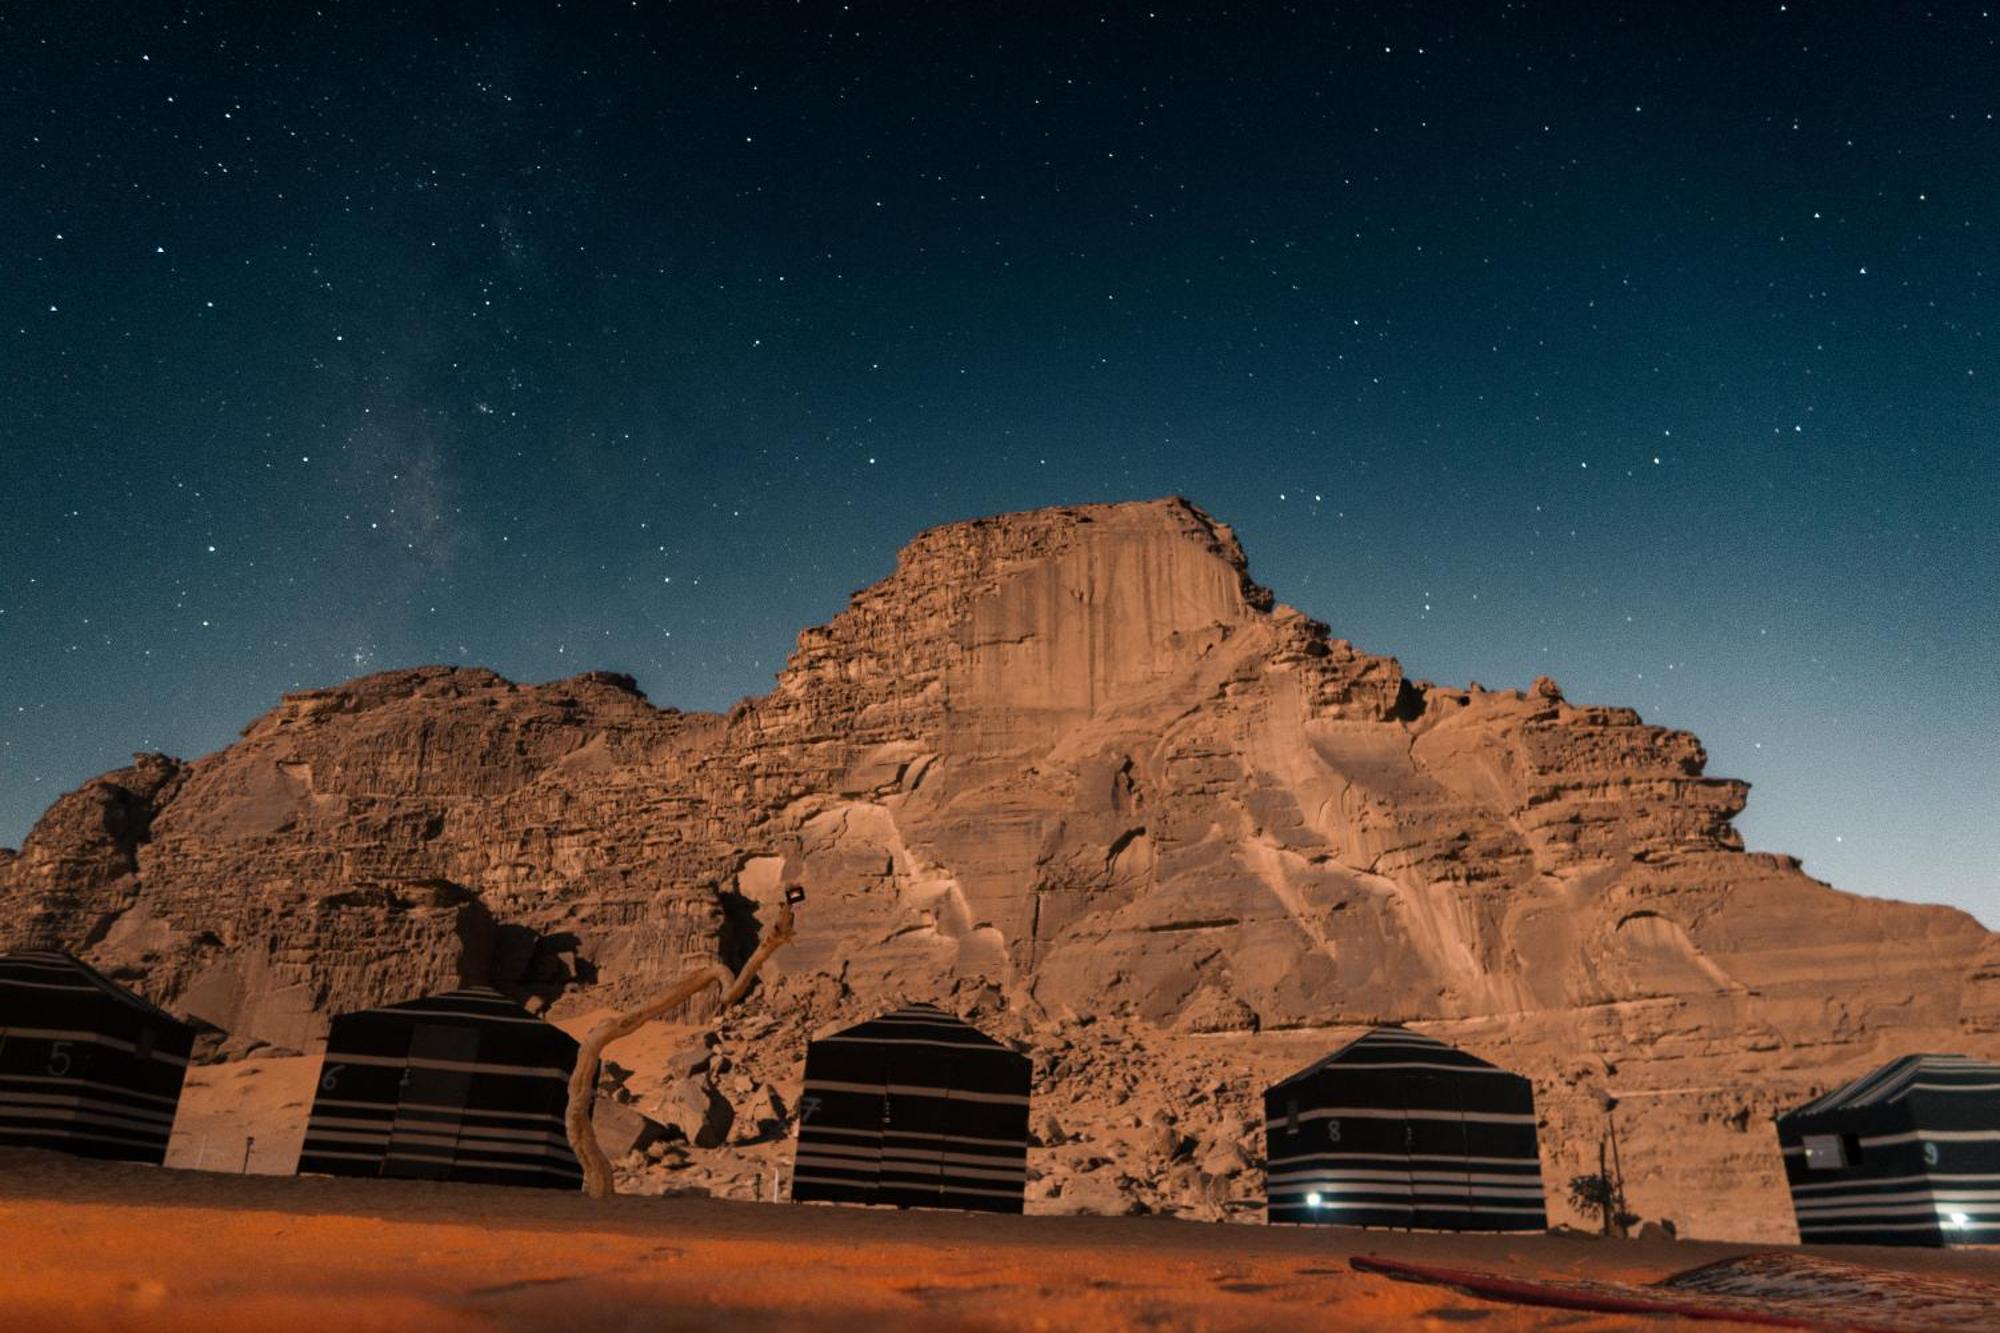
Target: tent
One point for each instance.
(917, 1109)
(86, 1066)
(1396, 1129)
(1906, 1155)
(464, 1086)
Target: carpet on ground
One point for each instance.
(1776, 1288)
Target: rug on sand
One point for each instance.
(1776, 1288)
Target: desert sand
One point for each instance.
(96, 1245)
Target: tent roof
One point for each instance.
(918, 1022)
(1394, 1047)
(1951, 1075)
(54, 969)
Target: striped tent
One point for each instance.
(917, 1109)
(464, 1086)
(86, 1066)
(1907, 1155)
(1396, 1129)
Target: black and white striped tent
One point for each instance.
(86, 1066)
(1397, 1129)
(1907, 1155)
(917, 1109)
(463, 1086)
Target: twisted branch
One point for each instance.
(597, 1179)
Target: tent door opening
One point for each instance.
(1399, 1201)
(1440, 1188)
(424, 1138)
(913, 1130)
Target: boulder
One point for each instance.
(1224, 1160)
(620, 1129)
(759, 1114)
(694, 1107)
(687, 1062)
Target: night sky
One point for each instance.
(1650, 347)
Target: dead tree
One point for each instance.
(597, 1179)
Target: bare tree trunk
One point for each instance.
(597, 1179)
(1619, 1211)
(1603, 1175)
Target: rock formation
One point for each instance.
(1078, 760)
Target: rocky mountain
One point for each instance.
(1073, 762)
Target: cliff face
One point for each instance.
(1075, 753)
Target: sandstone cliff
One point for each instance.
(1078, 760)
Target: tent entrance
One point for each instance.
(424, 1137)
(1440, 1186)
(915, 1114)
(1395, 1201)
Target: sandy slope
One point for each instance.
(246, 1115)
(90, 1245)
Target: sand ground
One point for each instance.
(86, 1245)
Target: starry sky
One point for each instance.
(1648, 346)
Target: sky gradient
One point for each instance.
(1646, 347)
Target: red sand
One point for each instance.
(94, 1246)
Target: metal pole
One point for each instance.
(248, 1144)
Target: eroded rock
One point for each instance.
(1074, 773)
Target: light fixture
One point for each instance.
(1312, 1200)
(1960, 1220)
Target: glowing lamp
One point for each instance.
(1312, 1200)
